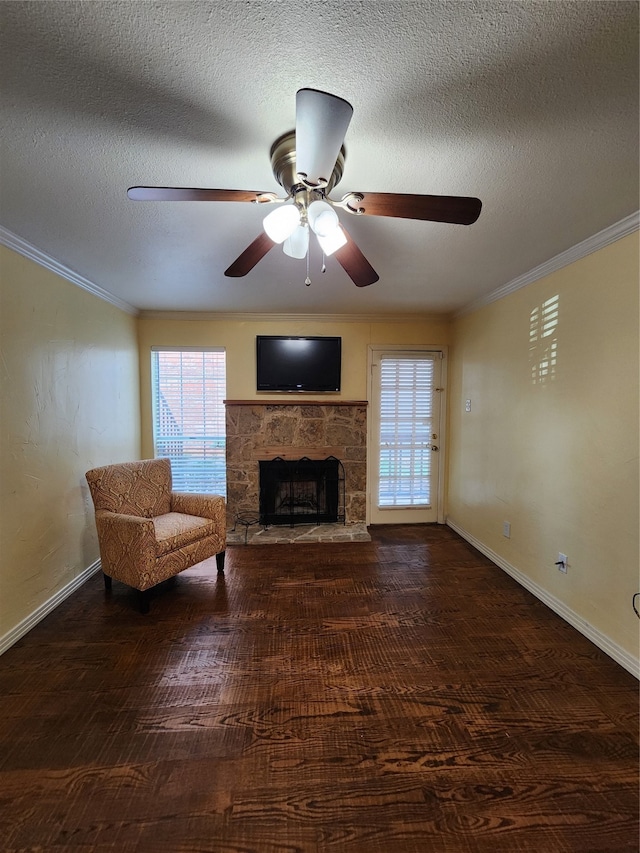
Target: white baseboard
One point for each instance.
(33, 618)
(604, 643)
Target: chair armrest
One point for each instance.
(130, 535)
(205, 506)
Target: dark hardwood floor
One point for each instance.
(397, 696)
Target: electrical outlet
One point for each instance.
(467, 405)
(562, 563)
(506, 529)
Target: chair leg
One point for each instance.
(144, 597)
(220, 561)
(107, 582)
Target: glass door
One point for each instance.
(405, 436)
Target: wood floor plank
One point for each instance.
(401, 695)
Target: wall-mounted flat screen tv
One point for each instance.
(309, 363)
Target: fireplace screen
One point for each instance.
(306, 491)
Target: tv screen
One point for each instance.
(307, 363)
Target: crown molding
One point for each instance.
(12, 241)
(592, 244)
(301, 318)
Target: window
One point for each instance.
(188, 391)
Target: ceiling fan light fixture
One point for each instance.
(330, 243)
(322, 218)
(281, 222)
(297, 244)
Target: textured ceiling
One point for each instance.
(532, 107)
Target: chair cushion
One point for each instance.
(174, 530)
(133, 488)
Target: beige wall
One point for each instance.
(238, 337)
(69, 400)
(557, 458)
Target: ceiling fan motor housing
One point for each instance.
(283, 164)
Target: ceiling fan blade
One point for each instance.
(254, 252)
(354, 263)
(189, 194)
(321, 124)
(459, 210)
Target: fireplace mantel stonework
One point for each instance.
(263, 430)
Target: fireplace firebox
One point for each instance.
(304, 491)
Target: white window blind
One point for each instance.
(188, 390)
(406, 392)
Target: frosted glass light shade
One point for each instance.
(297, 244)
(330, 243)
(322, 218)
(322, 120)
(281, 222)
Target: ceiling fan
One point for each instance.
(308, 163)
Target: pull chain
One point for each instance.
(307, 280)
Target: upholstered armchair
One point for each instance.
(148, 533)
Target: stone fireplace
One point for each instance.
(259, 431)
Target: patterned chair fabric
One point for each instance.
(148, 533)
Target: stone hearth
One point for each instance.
(259, 430)
(300, 534)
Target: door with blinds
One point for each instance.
(405, 437)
